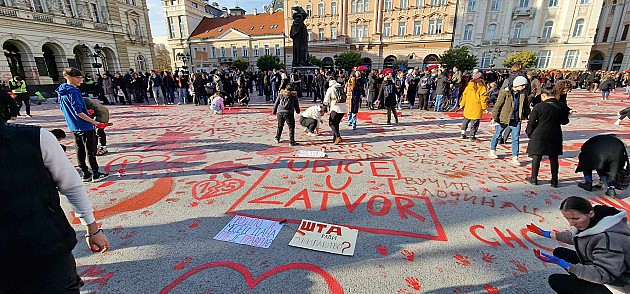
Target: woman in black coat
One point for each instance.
(372, 89)
(545, 134)
(607, 155)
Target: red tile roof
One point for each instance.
(249, 24)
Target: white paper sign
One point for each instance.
(325, 237)
(249, 231)
(309, 153)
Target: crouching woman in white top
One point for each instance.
(311, 119)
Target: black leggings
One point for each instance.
(553, 161)
(473, 128)
(334, 120)
(85, 143)
(568, 284)
(23, 98)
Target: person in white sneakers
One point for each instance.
(311, 119)
(623, 114)
(510, 109)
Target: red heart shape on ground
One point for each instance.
(213, 188)
(333, 285)
(137, 164)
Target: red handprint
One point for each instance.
(491, 289)
(181, 264)
(485, 189)
(519, 266)
(381, 249)
(403, 291)
(129, 235)
(408, 255)
(487, 257)
(462, 260)
(548, 201)
(195, 224)
(413, 283)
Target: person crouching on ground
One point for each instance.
(622, 114)
(337, 110)
(511, 108)
(99, 113)
(602, 252)
(607, 155)
(474, 104)
(217, 105)
(545, 133)
(311, 119)
(286, 104)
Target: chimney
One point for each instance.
(255, 11)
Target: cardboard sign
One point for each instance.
(309, 153)
(325, 237)
(250, 231)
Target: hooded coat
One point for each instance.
(474, 100)
(603, 249)
(331, 98)
(605, 153)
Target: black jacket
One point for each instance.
(544, 127)
(442, 85)
(8, 107)
(603, 152)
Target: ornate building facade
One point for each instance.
(40, 38)
(612, 49)
(560, 32)
(383, 31)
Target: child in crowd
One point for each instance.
(60, 135)
(217, 105)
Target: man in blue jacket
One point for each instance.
(80, 123)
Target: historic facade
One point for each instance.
(383, 31)
(560, 32)
(40, 38)
(219, 41)
(612, 49)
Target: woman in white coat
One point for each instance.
(337, 110)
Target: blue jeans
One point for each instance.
(438, 101)
(605, 94)
(515, 131)
(588, 176)
(352, 120)
(183, 95)
(274, 92)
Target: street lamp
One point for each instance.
(494, 53)
(97, 53)
(183, 57)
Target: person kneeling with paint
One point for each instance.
(600, 262)
(311, 119)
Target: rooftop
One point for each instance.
(249, 24)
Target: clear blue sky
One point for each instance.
(156, 13)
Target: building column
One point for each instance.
(507, 23)
(378, 16)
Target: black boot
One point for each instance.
(588, 186)
(532, 180)
(554, 183)
(611, 192)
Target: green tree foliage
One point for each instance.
(348, 60)
(268, 62)
(526, 58)
(240, 64)
(459, 57)
(315, 61)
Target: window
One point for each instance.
(171, 28)
(585, 1)
(359, 33)
(141, 64)
(606, 32)
(486, 59)
(571, 59)
(353, 6)
(387, 29)
(388, 4)
(320, 9)
(624, 35)
(468, 31)
(234, 51)
(435, 26)
(612, 6)
(245, 52)
(353, 31)
(491, 32)
(333, 33)
(333, 8)
(267, 51)
(213, 52)
(402, 28)
(579, 28)
(523, 3)
(309, 10)
(320, 34)
(223, 52)
(404, 4)
(518, 30)
(365, 31)
(360, 6)
(95, 12)
(309, 33)
(173, 2)
(194, 55)
(552, 3)
(366, 5)
(419, 3)
(277, 48)
(182, 29)
(256, 53)
(417, 28)
(546, 33)
(434, 2)
(495, 5)
(543, 59)
(472, 6)
(194, 5)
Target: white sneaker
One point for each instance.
(306, 130)
(492, 154)
(312, 134)
(515, 161)
(617, 122)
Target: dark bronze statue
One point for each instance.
(299, 34)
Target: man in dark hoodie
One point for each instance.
(284, 107)
(80, 123)
(441, 90)
(388, 94)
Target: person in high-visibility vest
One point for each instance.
(18, 87)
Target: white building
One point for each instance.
(611, 50)
(560, 32)
(41, 38)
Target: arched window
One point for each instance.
(486, 59)
(579, 28)
(320, 9)
(468, 31)
(366, 5)
(309, 10)
(141, 63)
(491, 32)
(547, 28)
(353, 6)
(360, 6)
(518, 30)
(618, 58)
(333, 8)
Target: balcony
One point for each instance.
(548, 40)
(489, 42)
(523, 12)
(25, 15)
(519, 42)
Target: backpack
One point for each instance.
(341, 95)
(285, 102)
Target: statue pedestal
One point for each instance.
(304, 68)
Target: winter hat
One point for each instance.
(477, 76)
(519, 81)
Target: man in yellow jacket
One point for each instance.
(18, 87)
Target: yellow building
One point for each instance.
(216, 42)
(383, 31)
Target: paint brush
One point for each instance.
(284, 221)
